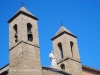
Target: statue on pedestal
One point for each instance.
(53, 60)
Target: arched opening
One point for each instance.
(29, 33)
(71, 45)
(61, 51)
(62, 67)
(16, 36)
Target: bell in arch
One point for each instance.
(16, 35)
(29, 32)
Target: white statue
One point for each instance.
(53, 60)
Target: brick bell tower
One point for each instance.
(66, 51)
(24, 44)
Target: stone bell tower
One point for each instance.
(66, 51)
(24, 44)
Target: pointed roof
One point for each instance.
(24, 11)
(61, 31)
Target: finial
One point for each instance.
(61, 24)
(22, 3)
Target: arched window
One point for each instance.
(16, 36)
(29, 33)
(71, 45)
(62, 67)
(61, 51)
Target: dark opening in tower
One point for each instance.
(71, 45)
(15, 36)
(29, 33)
(62, 67)
(61, 51)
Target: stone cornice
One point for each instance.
(71, 58)
(55, 70)
(64, 32)
(23, 42)
(24, 13)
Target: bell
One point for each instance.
(29, 32)
(16, 35)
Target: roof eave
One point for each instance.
(64, 32)
(24, 13)
(90, 68)
(4, 66)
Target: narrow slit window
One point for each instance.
(61, 51)
(29, 32)
(15, 36)
(71, 45)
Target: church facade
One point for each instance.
(25, 51)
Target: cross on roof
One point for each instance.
(61, 24)
(22, 3)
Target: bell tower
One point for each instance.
(24, 44)
(66, 51)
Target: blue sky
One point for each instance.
(81, 17)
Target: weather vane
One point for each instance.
(61, 24)
(22, 3)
